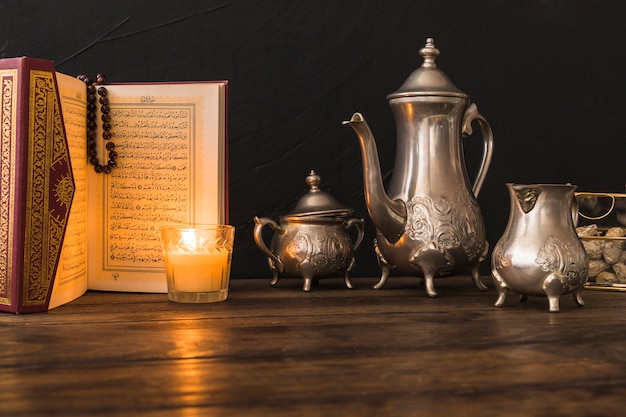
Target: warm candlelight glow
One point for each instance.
(189, 239)
(198, 272)
(197, 262)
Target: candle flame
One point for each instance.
(189, 238)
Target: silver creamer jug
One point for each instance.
(428, 222)
(539, 252)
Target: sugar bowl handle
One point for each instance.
(360, 231)
(259, 224)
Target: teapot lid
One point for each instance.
(428, 80)
(317, 202)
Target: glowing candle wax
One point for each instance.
(198, 271)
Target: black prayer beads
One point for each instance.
(92, 99)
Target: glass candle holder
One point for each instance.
(197, 262)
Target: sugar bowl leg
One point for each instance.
(307, 270)
(274, 271)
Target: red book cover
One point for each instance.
(36, 183)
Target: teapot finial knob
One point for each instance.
(313, 180)
(430, 53)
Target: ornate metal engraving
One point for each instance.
(556, 256)
(527, 198)
(327, 252)
(449, 225)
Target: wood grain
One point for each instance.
(280, 351)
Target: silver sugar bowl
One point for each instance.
(312, 241)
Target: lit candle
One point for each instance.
(198, 271)
(197, 262)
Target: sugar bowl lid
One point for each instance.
(428, 80)
(317, 202)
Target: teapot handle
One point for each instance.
(359, 225)
(472, 114)
(259, 224)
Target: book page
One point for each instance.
(71, 276)
(170, 140)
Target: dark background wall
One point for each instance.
(547, 74)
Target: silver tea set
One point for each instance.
(428, 222)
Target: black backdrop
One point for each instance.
(547, 75)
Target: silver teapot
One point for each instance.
(313, 240)
(428, 222)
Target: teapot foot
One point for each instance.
(384, 267)
(430, 285)
(385, 271)
(274, 281)
(346, 277)
(475, 272)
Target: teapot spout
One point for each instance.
(389, 216)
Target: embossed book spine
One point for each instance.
(36, 183)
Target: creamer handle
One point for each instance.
(472, 114)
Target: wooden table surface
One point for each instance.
(278, 351)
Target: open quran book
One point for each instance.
(171, 140)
